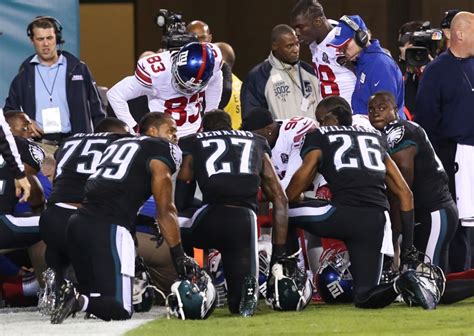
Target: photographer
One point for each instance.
(176, 82)
(418, 45)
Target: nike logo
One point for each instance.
(377, 83)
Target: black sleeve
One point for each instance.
(95, 103)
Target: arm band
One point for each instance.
(407, 220)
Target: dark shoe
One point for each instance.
(248, 301)
(414, 291)
(68, 304)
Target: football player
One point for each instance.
(76, 159)
(176, 82)
(98, 236)
(229, 167)
(435, 210)
(357, 168)
(314, 29)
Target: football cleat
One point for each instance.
(68, 303)
(47, 296)
(414, 290)
(248, 301)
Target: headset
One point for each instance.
(58, 28)
(361, 37)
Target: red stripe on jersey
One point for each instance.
(203, 64)
(142, 75)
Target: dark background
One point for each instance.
(246, 24)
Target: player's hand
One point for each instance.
(186, 267)
(409, 258)
(36, 131)
(22, 188)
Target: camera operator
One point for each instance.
(177, 82)
(445, 28)
(418, 45)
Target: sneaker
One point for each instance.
(248, 301)
(414, 291)
(68, 303)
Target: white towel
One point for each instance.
(387, 243)
(126, 251)
(464, 179)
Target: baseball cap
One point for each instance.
(448, 17)
(346, 30)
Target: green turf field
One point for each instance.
(397, 319)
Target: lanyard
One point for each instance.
(300, 86)
(44, 84)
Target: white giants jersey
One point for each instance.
(152, 78)
(334, 79)
(286, 152)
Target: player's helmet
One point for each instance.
(289, 287)
(432, 279)
(333, 278)
(193, 298)
(192, 68)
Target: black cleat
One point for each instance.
(248, 301)
(68, 304)
(414, 290)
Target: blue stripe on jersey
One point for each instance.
(443, 217)
(402, 145)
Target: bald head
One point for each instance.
(200, 29)
(227, 51)
(462, 35)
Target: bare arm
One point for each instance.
(405, 160)
(304, 175)
(397, 184)
(167, 216)
(274, 192)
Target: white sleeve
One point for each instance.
(214, 91)
(125, 90)
(294, 162)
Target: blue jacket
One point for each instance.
(376, 71)
(81, 91)
(445, 100)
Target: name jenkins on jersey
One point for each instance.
(227, 165)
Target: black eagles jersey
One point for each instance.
(430, 182)
(352, 163)
(227, 165)
(122, 182)
(76, 160)
(32, 155)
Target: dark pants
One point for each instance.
(232, 231)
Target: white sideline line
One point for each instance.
(24, 321)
